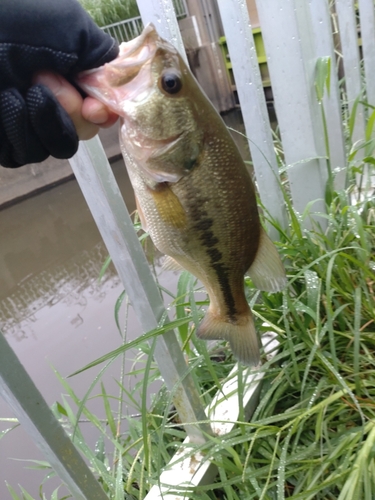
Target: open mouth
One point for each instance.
(126, 76)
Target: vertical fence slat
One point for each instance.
(31, 410)
(162, 14)
(352, 68)
(107, 206)
(236, 22)
(367, 17)
(287, 34)
(324, 47)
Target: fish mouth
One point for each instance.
(132, 56)
(128, 76)
(124, 83)
(141, 47)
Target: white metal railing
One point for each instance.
(296, 33)
(124, 31)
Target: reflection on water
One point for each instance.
(74, 282)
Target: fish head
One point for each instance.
(149, 86)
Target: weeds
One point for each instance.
(312, 435)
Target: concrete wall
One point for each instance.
(19, 183)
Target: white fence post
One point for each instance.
(187, 471)
(287, 36)
(324, 47)
(243, 56)
(352, 66)
(367, 17)
(107, 206)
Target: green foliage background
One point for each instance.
(106, 12)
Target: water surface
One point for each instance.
(53, 310)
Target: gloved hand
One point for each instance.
(35, 35)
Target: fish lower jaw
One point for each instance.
(132, 135)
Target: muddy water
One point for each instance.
(53, 311)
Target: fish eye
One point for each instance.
(171, 83)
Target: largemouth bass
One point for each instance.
(194, 193)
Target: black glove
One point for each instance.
(54, 35)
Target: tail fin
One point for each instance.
(242, 337)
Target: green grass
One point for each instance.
(106, 12)
(312, 435)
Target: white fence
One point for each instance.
(296, 33)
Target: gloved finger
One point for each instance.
(21, 144)
(70, 99)
(51, 122)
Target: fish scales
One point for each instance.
(194, 193)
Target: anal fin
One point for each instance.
(267, 271)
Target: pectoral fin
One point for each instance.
(267, 270)
(168, 206)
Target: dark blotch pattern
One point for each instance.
(215, 255)
(209, 240)
(223, 278)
